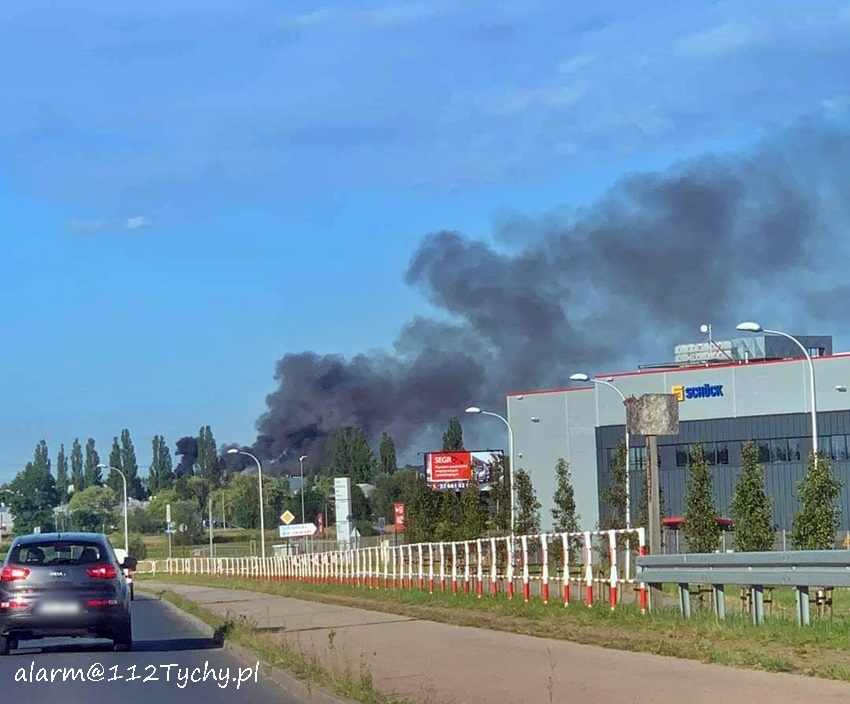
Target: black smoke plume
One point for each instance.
(712, 240)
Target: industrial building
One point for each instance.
(754, 388)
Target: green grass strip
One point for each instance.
(819, 650)
(283, 654)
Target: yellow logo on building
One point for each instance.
(705, 391)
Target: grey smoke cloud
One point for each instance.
(619, 282)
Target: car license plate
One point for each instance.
(59, 608)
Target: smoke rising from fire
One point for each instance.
(713, 239)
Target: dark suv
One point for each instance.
(64, 585)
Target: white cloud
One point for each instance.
(382, 17)
(718, 40)
(90, 227)
(575, 63)
(137, 222)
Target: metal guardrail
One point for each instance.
(800, 569)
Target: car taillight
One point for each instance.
(13, 604)
(10, 574)
(102, 572)
(102, 602)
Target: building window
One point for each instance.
(794, 445)
(681, 455)
(838, 447)
(722, 453)
(638, 458)
(779, 450)
(764, 451)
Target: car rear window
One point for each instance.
(63, 552)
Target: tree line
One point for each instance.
(751, 509)
(205, 477)
(77, 479)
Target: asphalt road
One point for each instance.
(161, 638)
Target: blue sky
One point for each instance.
(191, 189)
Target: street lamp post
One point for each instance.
(301, 462)
(234, 451)
(126, 531)
(476, 410)
(586, 378)
(756, 328)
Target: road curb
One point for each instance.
(300, 690)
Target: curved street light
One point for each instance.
(126, 532)
(586, 378)
(476, 410)
(756, 328)
(235, 451)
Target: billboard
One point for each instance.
(454, 470)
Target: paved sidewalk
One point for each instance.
(444, 664)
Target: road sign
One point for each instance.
(398, 512)
(183, 528)
(297, 530)
(287, 517)
(168, 514)
(382, 525)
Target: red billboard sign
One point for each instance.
(398, 512)
(454, 470)
(451, 466)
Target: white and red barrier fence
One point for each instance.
(591, 566)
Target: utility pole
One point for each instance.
(211, 526)
(653, 511)
(653, 495)
(168, 527)
(652, 415)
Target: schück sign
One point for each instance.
(690, 392)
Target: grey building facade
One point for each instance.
(744, 394)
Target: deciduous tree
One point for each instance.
(564, 511)
(389, 489)
(453, 437)
(700, 520)
(32, 496)
(62, 479)
(448, 521)
(614, 495)
(388, 462)
(92, 474)
(422, 505)
(92, 507)
(352, 457)
(751, 509)
(527, 505)
(208, 461)
(113, 479)
(816, 522)
(161, 473)
(78, 479)
(131, 466)
(473, 518)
